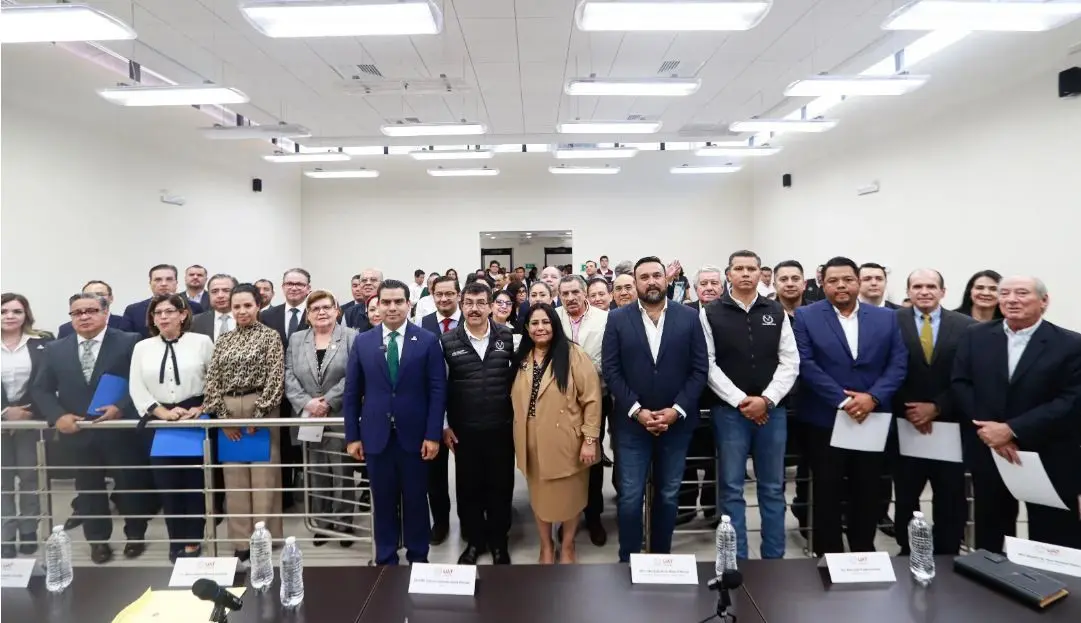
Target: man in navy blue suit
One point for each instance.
(852, 360)
(655, 365)
(395, 399)
(105, 291)
(163, 280)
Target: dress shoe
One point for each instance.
(597, 534)
(174, 554)
(72, 522)
(28, 543)
(133, 549)
(500, 556)
(885, 526)
(8, 551)
(439, 534)
(470, 555)
(101, 553)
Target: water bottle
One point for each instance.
(261, 561)
(726, 546)
(921, 561)
(292, 574)
(58, 572)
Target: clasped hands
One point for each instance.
(657, 422)
(428, 450)
(999, 437)
(68, 423)
(859, 405)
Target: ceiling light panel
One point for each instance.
(566, 170)
(173, 95)
(783, 125)
(609, 127)
(334, 175)
(483, 172)
(568, 153)
(705, 170)
(259, 132)
(643, 87)
(332, 156)
(452, 154)
(678, 15)
(47, 23)
(734, 151)
(975, 15)
(433, 129)
(818, 86)
(343, 18)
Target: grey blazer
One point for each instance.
(204, 323)
(306, 379)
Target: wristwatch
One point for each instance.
(151, 408)
(590, 440)
(769, 403)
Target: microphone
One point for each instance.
(727, 580)
(223, 600)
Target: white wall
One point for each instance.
(405, 219)
(528, 252)
(989, 184)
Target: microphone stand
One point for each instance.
(724, 602)
(219, 614)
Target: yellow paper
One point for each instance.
(169, 606)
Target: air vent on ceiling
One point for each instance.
(707, 130)
(636, 118)
(668, 67)
(408, 120)
(370, 69)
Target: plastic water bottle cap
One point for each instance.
(289, 540)
(58, 529)
(917, 515)
(259, 525)
(726, 519)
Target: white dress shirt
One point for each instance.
(217, 323)
(480, 344)
(94, 350)
(425, 306)
(784, 377)
(1016, 342)
(399, 340)
(654, 333)
(193, 352)
(455, 320)
(16, 368)
(851, 326)
(414, 292)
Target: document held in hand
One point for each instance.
(177, 441)
(250, 448)
(309, 433)
(870, 436)
(111, 389)
(943, 443)
(1028, 482)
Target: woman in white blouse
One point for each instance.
(168, 372)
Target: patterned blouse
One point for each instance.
(246, 359)
(538, 375)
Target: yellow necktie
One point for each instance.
(927, 338)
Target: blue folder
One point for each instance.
(111, 390)
(253, 448)
(176, 441)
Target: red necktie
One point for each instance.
(446, 325)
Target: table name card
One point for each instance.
(429, 579)
(187, 570)
(16, 572)
(1044, 556)
(859, 567)
(664, 569)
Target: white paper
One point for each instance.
(16, 572)
(1044, 556)
(860, 567)
(943, 443)
(427, 579)
(870, 436)
(187, 570)
(309, 433)
(1028, 482)
(664, 569)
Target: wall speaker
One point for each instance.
(256, 185)
(786, 180)
(1069, 82)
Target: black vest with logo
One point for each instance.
(746, 342)
(478, 391)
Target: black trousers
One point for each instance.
(843, 476)
(949, 508)
(125, 454)
(701, 455)
(184, 530)
(595, 500)
(438, 488)
(796, 454)
(885, 487)
(484, 484)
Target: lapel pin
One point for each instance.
(413, 339)
(333, 346)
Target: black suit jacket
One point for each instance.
(203, 301)
(36, 346)
(135, 315)
(59, 386)
(356, 318)
(930, 382)
(813, 293)
(275, 319)
(204, 324)
(115, 322)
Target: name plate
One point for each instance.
(1045, 557)
(428, 579)
(187, 570)
(664, 569)
(16, 572)
(860, 567)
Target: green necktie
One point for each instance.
(392, 357)
(927, 338)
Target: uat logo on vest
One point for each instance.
(767, 321)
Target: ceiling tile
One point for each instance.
(543, 8)
(470, 9)
(491, 40)
(543, 39)
(497, 77)
(542, 78)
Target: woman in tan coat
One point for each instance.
(557, 419)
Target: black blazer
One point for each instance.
(203, 301)
(59, 386)
(36, 346)
(135, 315)
(203, 324)
(115, 322)
(892, 305)
(356, 317)
(275, 319)
(930, 382)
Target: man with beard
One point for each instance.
(357, 318)
(623, 291)
(654, 362)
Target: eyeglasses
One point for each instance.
(294, 284)
(445, 295)
(320, 309)
(87, 313)
(503, 303)
(165, 313)
(474, 304)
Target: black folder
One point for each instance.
(1022, 583)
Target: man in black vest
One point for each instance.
(479, 425)
(753, 364)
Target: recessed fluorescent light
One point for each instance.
(433, 129)
(343, 18)
(173, 95)
(329, 175)
(365, 150)
(691, 170)
(678, 15)
(641, 87)
(783, 125)
(565, 170)
(262, 132)
(441, 172)
(330, 156)
(609, 127)
(818, 86)
(568, 153)
(452, 154)
(734, 151)
(60, 22)
(1001, 15)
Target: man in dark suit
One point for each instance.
(355, 289)
(357, 315)
(813, 292)
(218, 319)
(930, 334)
(194, 284)
(873, 285)
(394, 406)
(1017, 386)
(105, 291)
(852, 360)
(162, 281)
(791, 292)
(63, 390)
(444, 319)
(654, 362)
